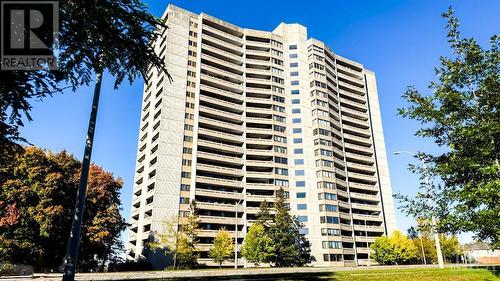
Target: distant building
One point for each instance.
(481, 253)
(249, 112)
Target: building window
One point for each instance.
(293, 56)
(295, 110)
(301, 206)
(295, 92)
(295, 101)
(330, 232)
(303, 231)
(328, 219)
(299, 172)
(327, 208)
(332, 245)
(281, 171)
(294, 83)
(297, 130)
(292, 47)
(298, 151)
(296, 120)
(297, 140)
(300, 183)
(299, 161)
(302, 218)
(301, 195)
(294, 73)
(185, 187)
(294, 64)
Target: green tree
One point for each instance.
(186, 255)
(452, 250)
(264, 216)
(461, 115)
(288, 243)
(166, 241)
(37, 193)
(258, 246)
(94, 36)
(396, 249)
(223, 247)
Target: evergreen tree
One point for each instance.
(461, 115)
(289, 249)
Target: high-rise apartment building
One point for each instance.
(249, 112)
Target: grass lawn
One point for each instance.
(420, 274)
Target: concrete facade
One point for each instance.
(249, 112)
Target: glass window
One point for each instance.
(302, 218)
(296, 120)
(294, 64)
(299, 161)
(297, 140)
(294, 83)
(298, 151)
(295, 110)
(295, 101)
(293, 56)
(294, 73)
(301, 206)
(300, 183)
(299, 172)
(303, 231)
(301, 195)
(292, 47)
(297, 130)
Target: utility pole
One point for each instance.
(71, 259)
(433, 217)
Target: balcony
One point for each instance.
(368, 178)
(227, 55)
(222, 93)
(260, 175)
(220, 135)
(256, 90)
(371, 228)
(354, 113)
(365, 207)
(359, 148)
(259, 141)
(367, 217)
(219, 181)
(230, 106)
(219, 158)
(260, 198)
(369, 187)
(218, 194)
(226, 126)
(231, 86)
(220, 220)
(217, 70)
(216, 206)
(359, 91)
(230, 37)
(360, 123)
(257, 120)
(220, 146)
(260, 152)
(221, 43)
(234, 66)
(260, 131)
(260, 186)
(219, 170)
(259, 163)
(356, 81)
(359, 158)
(363, 140)
(351, 71)
(356, 131)
(221, 113)
(359, 106)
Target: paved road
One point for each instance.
(212, 274)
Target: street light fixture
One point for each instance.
(433, 218)
(236, 234)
